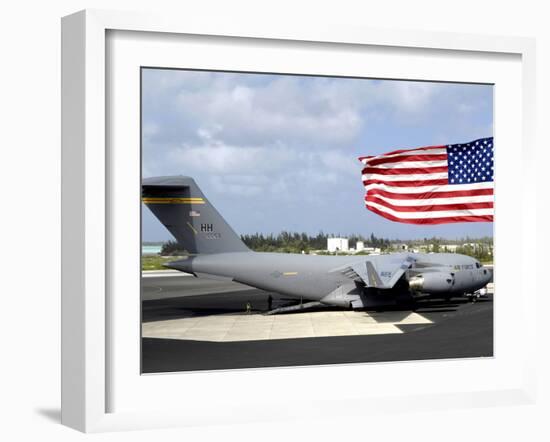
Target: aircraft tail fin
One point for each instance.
(182, 208)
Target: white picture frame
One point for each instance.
(88, 207)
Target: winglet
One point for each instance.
(374, 279)
(390, 269)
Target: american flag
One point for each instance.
(432, 185)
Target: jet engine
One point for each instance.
(436, 282)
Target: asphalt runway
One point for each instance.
(437, 330)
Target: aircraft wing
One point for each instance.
(379, 271)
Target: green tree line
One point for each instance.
(294, 242)
(481, 252)
(288, 242)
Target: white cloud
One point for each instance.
(283, 109)
(280, 172)
(300, 112)
(410, 96)
(286, 146)
(239, 185)
(340, 162)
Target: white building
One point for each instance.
(450, 247)
(337, 244)
(360, 246)
(400, 246)
(372, 250)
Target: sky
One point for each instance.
(279, 152)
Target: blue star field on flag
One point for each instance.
(471, 162)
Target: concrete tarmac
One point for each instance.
(170, 305)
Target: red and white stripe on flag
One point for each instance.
(412, 186)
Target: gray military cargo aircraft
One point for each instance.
(368, 281)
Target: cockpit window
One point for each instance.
(478, 265)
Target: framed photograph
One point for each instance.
(228, 225)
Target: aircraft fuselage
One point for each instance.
(314, 277)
